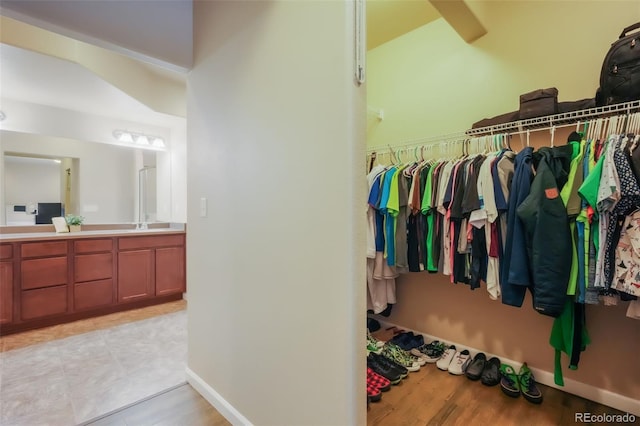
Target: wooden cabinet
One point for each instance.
(93, 274)
(44, 279)
(170, 267)
(53, 281)
(6, 292)
(135, 275)
(150, 265)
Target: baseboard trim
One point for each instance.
(574, 387)
(219, 403)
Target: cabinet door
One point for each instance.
(6, 292)
(170, 275)
(135, 275)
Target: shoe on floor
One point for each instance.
(398, 355)
(491, 373)
(459, 363)
(509, 381)
(528, 386)
(380, 382)
(387, 363)
(475, 368)
(446, 358)
(430, 352)
(373, 393)
(388, 371)
(373, 344)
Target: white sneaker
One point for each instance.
(446, 358)
(460, 362)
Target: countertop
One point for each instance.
(13, 237)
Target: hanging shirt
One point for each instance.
(628, 203)
(373, 181)
(627, 257)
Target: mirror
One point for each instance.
(102, 178)
(38, 188)
(55, 110)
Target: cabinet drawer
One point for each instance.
(93, 294)
(44, 272)
(6, 251)
(93, 246)
(132, 243)
(90, 267)
(44, 302)
(41, 249)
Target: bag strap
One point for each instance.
(629, 29)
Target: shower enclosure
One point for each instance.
(146, 196)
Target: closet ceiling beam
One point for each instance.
(461, 18)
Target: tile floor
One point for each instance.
(77, 378)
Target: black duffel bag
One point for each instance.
(620, 75)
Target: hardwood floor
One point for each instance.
(179, 406)
(434, 397)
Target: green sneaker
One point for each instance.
(509, 381)
(528, 386)
(373, 345)
(396, 354)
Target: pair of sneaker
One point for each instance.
(376, 384)
(454, 361)
(407, 340)
(431, 352)
(523, 382)
(487, 371)
(402, 357)
(386, 368)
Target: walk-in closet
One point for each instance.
(490, 232)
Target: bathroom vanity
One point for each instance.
(48, 278)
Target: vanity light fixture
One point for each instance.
(139, 139)
(123, 136)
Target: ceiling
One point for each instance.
(160, 31)
(44, 80)
(388, 19)
(157, 31)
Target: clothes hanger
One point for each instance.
(553, 134)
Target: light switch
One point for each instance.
(203, 207)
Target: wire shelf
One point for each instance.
(548, 121)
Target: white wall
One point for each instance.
(430, 82)
(106, 173)
(32, 181)
(276, 272)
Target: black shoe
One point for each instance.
(388, 373)
(475, 369)
(491, 373)
(386, 362)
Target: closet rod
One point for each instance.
(431, 140)
(515, 127)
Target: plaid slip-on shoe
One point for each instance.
(380, 382)
(373, 393)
